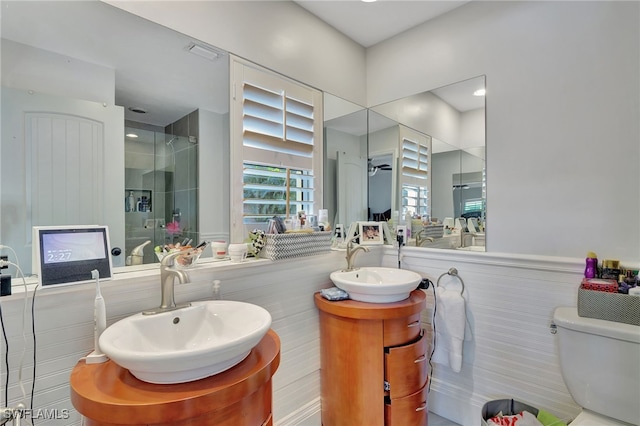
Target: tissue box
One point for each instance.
(285, 246)
(609, 306)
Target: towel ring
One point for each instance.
(453, 272)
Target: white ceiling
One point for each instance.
(371, 23)
(75, 28)
(153, 68)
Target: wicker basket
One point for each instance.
(609, 306)
(285, 246)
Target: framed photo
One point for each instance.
(370, 233)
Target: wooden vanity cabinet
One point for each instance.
(374, 362)
(109, 395)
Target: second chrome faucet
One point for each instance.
(352, 249)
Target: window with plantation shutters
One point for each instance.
(415, 178)
(277, 148)
(415, 159)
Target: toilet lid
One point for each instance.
(589, 418)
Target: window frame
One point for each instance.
(242, 71)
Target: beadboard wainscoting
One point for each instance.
(64, 327)
(510, 302)
(512, 354)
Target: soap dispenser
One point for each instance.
(217, 294)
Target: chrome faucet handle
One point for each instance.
(169, 259)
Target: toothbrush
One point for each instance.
(202, 245)
(99, 314)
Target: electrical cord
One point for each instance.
(6, 360)
(33, 330)
(433, 346)
(424, 284)
(15, 256)
(24, 338)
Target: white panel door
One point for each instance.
(351, 186)
(62, 163)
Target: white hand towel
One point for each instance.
(450, 323)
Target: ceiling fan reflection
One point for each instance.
(373, 169)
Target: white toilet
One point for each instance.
(600, 363)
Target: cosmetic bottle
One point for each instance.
(131, 202)
(591, 267)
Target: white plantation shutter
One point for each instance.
(277, 129)
(415, 175)
(415, 159)
(277, 152)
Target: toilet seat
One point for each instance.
(589, 418)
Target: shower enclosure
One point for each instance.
(161, 190)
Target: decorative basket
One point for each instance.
(285, 246)
(433, 231)
(609, 306)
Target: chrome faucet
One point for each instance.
(464, 238)
(168, 274)
(420, 241)
(352, 249)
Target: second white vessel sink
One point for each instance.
(377, 284)
(186, 344)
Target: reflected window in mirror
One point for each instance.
(454, 181)
(415, 149)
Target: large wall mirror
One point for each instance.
(106, 118)
(423, 155)
(431, 152)
(345, 160)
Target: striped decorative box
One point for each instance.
(285, 246)
(609, 306)
(433, 231)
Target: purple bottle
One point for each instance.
(591, 268)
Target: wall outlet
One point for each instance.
(401, 234)
(6, 259)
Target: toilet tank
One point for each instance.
(600, 363)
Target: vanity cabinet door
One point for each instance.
(406, 368)
(408, 411)
(399, 331)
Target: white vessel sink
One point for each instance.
(187, 344)
(377, 284)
